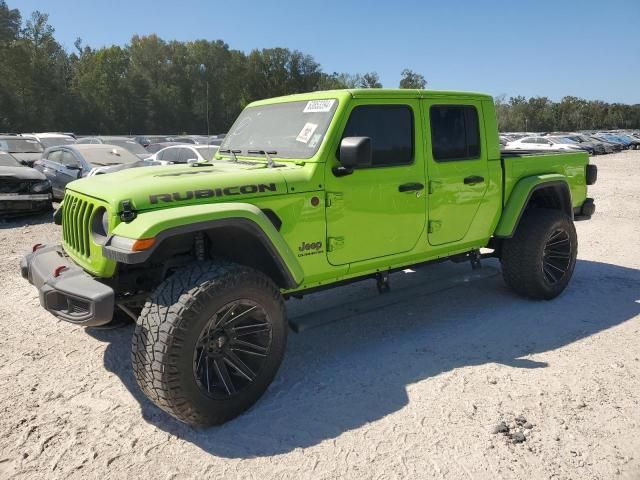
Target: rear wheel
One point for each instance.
(209, 342)
(539, 260)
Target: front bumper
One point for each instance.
(73, 295)
(18, 203)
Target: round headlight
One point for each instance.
(39, 187)
(100, 225)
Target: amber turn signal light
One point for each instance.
(143, 244)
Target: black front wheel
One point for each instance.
(538, 261)
(209, 341)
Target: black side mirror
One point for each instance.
(355, 152)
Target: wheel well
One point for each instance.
(552, 195)
(555, 196)
(236, 244)
(232, 242)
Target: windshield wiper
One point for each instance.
(232, 154)
(267, 155)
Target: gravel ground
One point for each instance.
(414, 389)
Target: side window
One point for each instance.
(455, 133)
(543, 141)
(530, 140)
(55, 156)
(171, 155)
(185, 154)
(68, 160)
(390, 128)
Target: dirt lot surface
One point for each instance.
(413, 389)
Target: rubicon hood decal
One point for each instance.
(212, 192)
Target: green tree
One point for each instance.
(411, 79)
(369, 80)
(10, 21)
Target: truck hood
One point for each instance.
(177, 185)
(27, 158)
(20, 173)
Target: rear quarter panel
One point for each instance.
(572, 166)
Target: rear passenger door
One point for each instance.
(457, 167)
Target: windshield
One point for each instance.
(6, 160)
(20, 145)
(108, 156)
(132, 146)
(293, 130)
(55, 141)
(562, 140)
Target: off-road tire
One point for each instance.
(170, 326)
(522, 255)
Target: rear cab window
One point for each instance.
(455, 132)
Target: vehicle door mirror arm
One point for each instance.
(341, 171)
(355, 152)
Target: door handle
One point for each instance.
(473, 180)
(410, 187)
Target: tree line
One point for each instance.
(157, 86)
(540, 114)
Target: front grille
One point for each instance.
(13, 186)
(76, 222)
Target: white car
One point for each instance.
(53, 139)
(541, 143)
(185, 153)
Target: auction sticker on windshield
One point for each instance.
(316, 106)
(306, 132)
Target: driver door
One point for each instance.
(70, 169)
(379, 210)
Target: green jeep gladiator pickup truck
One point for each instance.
(306, 192)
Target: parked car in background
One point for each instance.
(613, 139)
(122, 142)
(146, 140)
(25, 149)
(195, 139)
(565, 140)
(184, 153)
(156, 147)
(22, 190)
(65, 163)
(634, 143)
(598, 147)
(54, 139)
(541, 143)
(614, 146)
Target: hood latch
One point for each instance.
(128, 214)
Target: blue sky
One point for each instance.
(585, 48)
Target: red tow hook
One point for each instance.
(37, 246)
(59, 270)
